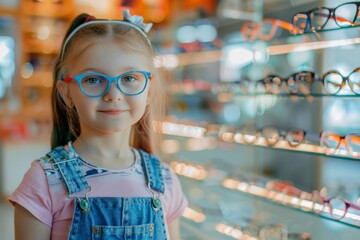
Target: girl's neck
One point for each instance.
(110, 151)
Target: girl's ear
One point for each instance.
(63, 90)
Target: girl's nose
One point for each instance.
(113, 94)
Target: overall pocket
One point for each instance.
(137, 232)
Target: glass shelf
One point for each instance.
(280, 199)
(193, 228)
(205, 143)
(288, 201)
(303, 148)
(285, 95)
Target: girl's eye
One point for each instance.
(129, 78)
(92, 79)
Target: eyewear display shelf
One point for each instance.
(306, 167)
(220, 208)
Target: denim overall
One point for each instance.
(108, 218)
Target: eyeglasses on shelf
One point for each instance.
(249, 134)
(333, 141)
(334, 81)
(344, 15)
(336, 206)
(266, 29)
(289, 195)
(302, 83)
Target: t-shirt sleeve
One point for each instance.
(177, 201)
(33, 194)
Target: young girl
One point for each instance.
(101, 179)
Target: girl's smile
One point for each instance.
(112, 111)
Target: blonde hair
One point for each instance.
(66, 126)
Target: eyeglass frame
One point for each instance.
(109, 79)
(268, 82)
(255, 31)
(325, 202)
(342, 139)
(283, 135)
(330, 15)
(344, 79)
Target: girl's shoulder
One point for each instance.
(166, 171)
(50, 161)
(59, 153)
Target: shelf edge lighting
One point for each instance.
(300, 47)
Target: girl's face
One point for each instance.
(113, 112)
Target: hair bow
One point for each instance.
(137, 20)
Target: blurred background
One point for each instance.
(262, 123)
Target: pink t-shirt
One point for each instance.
(44, 194)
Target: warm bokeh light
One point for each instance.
(194, 215)
(193, 171)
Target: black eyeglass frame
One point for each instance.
(330, 15)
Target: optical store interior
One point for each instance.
(262, 123)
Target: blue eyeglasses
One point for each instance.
(94, 84)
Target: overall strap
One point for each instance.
(152, 169)
(70, 170)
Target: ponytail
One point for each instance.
(65, 128)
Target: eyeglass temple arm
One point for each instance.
(68, 79)
(353, 205)
(288, 26)
(340, 19)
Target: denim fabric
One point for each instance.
(111, 218)
(68, 165)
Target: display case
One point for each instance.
(256, 159)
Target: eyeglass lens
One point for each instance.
(353, 141)
(333, 82)
(330, 141)
(354, 81)
(347, 15)
(267, 30)
(129, 83)
(319, 18)
(338, 208)
(271, 135)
